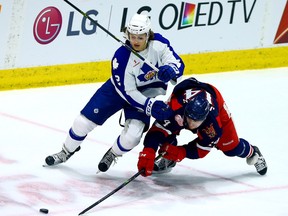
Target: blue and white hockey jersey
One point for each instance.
(134, 80)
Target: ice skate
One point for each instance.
(163, 166)
(59, 157)
(258, 161)
(107, 160)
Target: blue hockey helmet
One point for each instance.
(197, 108)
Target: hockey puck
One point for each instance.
(43, 210)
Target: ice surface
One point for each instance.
(34, 122)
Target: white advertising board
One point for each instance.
(5, 24)
(50, 32)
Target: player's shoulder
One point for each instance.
(123, 50)
(159, 37)
(122, 53)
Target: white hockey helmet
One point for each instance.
(139, 24)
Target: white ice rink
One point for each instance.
(34, 122)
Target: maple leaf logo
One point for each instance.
(115, 64)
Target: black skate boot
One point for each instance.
(163, 166)
(107, 160)
(258, 161)
(59, 157)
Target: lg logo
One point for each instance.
(47, 25)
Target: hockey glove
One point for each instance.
(167, 72)
(146, 161)
(174, 153)
(158, 109)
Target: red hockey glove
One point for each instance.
(174, 153)
(146, 161)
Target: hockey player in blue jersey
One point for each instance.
(132, 87)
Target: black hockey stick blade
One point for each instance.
(117, 189)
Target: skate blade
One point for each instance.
(161, 171)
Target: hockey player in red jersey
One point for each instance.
(200, 108)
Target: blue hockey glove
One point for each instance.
(167, 72)
(158, 109)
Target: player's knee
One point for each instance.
(82, 126)
(131, 135)
(241, 150)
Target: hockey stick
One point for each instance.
(119, 187)
(113, 36)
